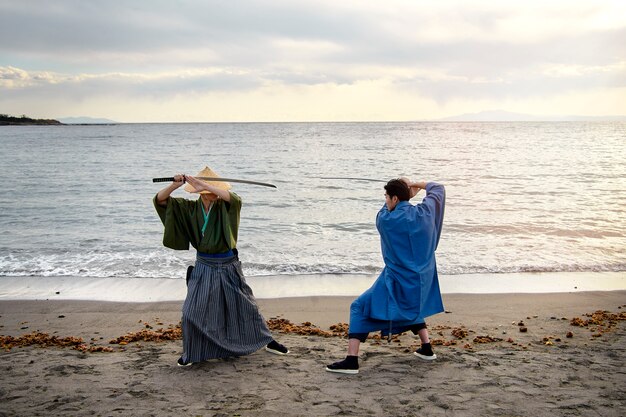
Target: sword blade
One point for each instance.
(263, 184)
(352, 179)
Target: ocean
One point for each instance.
(522, 197)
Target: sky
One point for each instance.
(321, 60)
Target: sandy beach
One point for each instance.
(498, 354)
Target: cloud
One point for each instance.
(441, 51)
(18, 82)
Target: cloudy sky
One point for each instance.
(319, 60)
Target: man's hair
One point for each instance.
(399, 189)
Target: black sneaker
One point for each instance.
(425, 352)
(183, 363)
(350, 365)
(276, 348)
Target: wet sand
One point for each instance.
(493, 369)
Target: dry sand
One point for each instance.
(538, 372)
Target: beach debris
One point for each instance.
(521, 323)
(442, 342)
(147, 335)
(569, 335)
(486, 339)
(38, 339)
(93, 348)
(340, 328)
(523, 329)
(604, 320)
(307, 328)
(459, 333)
(44, 340)
(439, 327)
(61, 316)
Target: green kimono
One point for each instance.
(183, 220)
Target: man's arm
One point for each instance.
(414, 186)
(203, 186)
(163, 195)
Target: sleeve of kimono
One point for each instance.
(231, 211)
(435, 202)
(175, 217)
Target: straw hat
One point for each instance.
(208, 172)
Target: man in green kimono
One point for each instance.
(220, 315)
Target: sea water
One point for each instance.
(522, 197)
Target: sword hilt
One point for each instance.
(164, 179)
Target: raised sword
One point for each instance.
(263, 184)
(352, 179)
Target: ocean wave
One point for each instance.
(166, 264)
(529, 229)
(512, 269)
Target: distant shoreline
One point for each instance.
(6, 120)
(27, 121)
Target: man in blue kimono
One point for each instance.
(407, 290)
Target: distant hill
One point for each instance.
(6, 120)
(505, 116)
(86, 120)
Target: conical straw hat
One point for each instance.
(208, 172)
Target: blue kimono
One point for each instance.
(407, 290)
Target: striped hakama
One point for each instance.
(220, 315)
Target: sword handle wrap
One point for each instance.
(163, 179)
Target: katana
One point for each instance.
(263, 184)
(352, 179)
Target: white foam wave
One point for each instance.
(169, 264)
